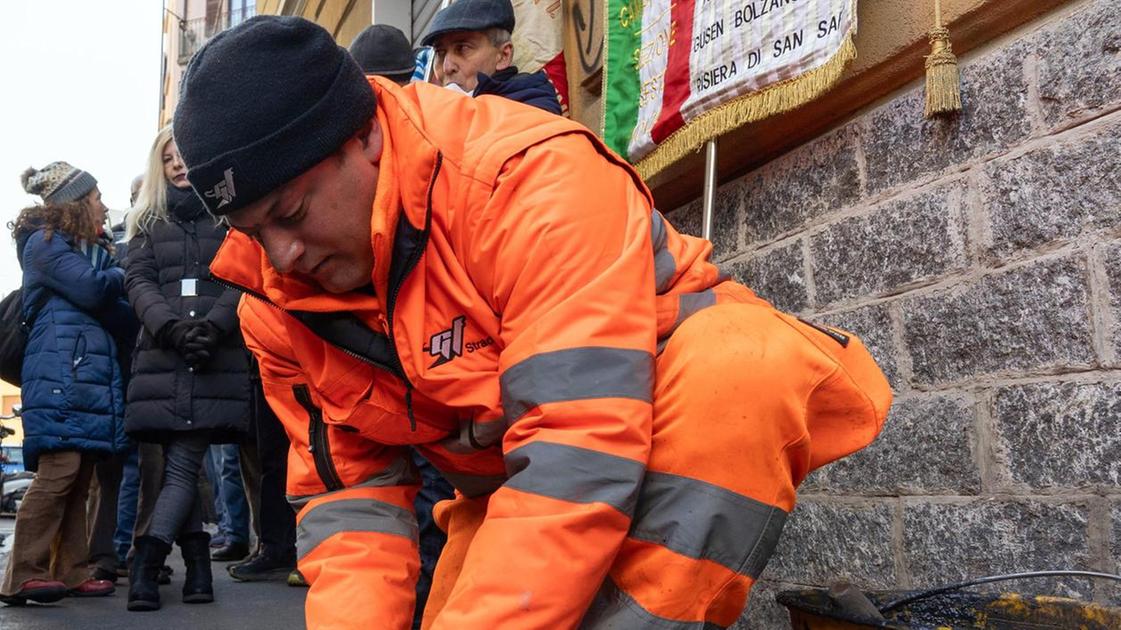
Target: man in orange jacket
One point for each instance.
(624, 426)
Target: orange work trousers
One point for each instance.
(747, 400)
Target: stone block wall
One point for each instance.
(979, 257)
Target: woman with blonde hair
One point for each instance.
(71, 387)
(190, 383)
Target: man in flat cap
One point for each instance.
(474, 50)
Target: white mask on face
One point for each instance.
(455, 88)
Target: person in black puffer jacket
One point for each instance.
(190, 375)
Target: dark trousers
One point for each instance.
(223, 469)
(151, 480)
(109, 470)
(276, 518)
(178, 509)
(434, 488)
(126, 504)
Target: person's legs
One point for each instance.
(103, 555)
(151, 465)
(278, 519)
(176, 507)
(212, 469)
(40, 519)
(233, 493)
(230, 495)
(70, 565)
(276, 557)
(176, 515)
(126, 506)
(249, 462)
(434, 488)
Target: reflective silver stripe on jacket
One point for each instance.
(576, 374)
(688, 304)
(612, 609)
(575, 474)
(664, 265)
(704, 521)
(352, 515)
(400, 473)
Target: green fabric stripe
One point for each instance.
(620, 81)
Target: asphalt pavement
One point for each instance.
(237, 605)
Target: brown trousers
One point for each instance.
(50, 539)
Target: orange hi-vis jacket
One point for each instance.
(524, 285)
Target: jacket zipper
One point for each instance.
(392, 369)
(318, 443)
(394, 291)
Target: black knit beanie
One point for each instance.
(262, 103)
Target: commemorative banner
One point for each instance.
(678, 73)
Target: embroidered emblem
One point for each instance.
(224, 189)
(447, 344)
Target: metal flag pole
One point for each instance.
(710, 190)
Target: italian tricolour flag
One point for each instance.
(681, 72)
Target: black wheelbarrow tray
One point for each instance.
(945, 608)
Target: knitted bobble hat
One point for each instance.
(58, 182)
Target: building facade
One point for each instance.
(187, 26)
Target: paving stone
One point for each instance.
(901, 243)
(1059, 435)
(945, 543)
(763, 612)
(793, 190)
(824, 540)
(1054, 193)
(1111, 255)
(1030, 318)
(927, 446)
(1080, 62)
(777, 276)
(902, 146)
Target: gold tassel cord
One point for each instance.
(943, 81)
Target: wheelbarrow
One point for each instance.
(844, 607)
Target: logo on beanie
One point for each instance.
(224, 189)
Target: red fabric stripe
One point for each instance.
(676, 88)
(558, 76)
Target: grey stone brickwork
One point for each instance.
(979, 258)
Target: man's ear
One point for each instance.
(505, 56)
(371, 140)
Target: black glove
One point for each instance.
(201, 342)
(173, 336)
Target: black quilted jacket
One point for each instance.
(164, 396)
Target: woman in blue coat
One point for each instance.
(72, 396)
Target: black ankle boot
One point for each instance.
(198, 584)
(143, 589)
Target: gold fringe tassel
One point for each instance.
(769, 101)
(943, 82)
